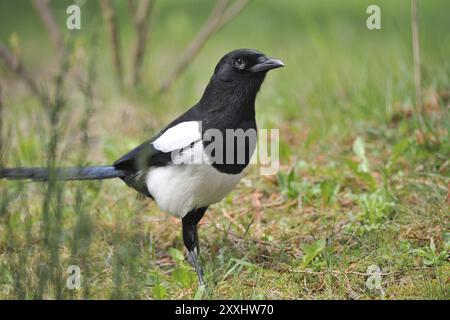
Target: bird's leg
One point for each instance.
(190, 239)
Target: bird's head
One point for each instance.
(245, 65)
(237, 79)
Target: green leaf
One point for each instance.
(291, 177)
(199, 293)
(400, 147)
(353, 165)
(369, 180)
(432, 245)
(181, 275)
(313, 250)
(159, 291)
(288, 185)
(328, 189)
(285, 151)
(359, 148)
(244, 263)
(282, 180)
(176, 255)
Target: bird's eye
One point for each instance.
(240, 63)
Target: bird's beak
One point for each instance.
(267, 64)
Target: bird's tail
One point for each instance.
(44, 174)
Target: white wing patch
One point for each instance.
(179, 136)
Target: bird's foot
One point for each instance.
(193, 260)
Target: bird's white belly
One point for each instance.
(178, 189)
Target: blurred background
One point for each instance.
(365, 166)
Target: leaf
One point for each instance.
(181, 275)
(14, 42)
(400, 148)
(199, 293)
(285, 151)
(159, 291)
(369, 180)
(244, 263)
(291, 177)
(313, 250)
(176, 255)
(288, 184)
(238, 264)
(328, 189)
(353, 165)
(282, 180)
(359, 148)
(432, 245)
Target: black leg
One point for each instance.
(190, 239)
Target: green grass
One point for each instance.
(359, 185)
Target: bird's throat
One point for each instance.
(235, 98)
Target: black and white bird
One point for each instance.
(162, 168)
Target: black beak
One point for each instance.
(267, 64)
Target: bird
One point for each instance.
(196, 160)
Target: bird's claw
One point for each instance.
(192, 259)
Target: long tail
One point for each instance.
(43, 174)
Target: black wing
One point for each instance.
(157, 151)
(142, 157)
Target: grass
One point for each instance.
(359, 184)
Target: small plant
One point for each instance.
(292, 187)
(237, 265)
(159, 291)
(181, 274)
(328, 190)
(432, 257)
(312, 254)
(289, 187)
(375, 210)
(361, 168)
(359, 148)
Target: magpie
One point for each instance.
(166, 168)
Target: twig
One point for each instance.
(272, 244)
(110, 17)
(233, 11)
(132, 8)
(52, 207)
(276, 203)
(232, 220)
(365, 274)
(141, 18)
(219, 17)
(416, 54)
(1, 128)
(43, 9)
(15, 65)
(424, 124)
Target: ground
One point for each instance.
(363, 184)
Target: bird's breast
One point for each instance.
(178, 189)
(230, 144)
(189, 182)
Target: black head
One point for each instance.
(245, 65)
(236, 81)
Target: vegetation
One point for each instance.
(364, 178)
